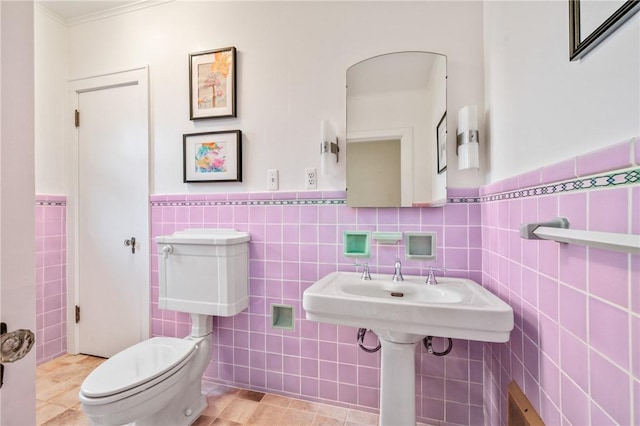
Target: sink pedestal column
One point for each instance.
(398, 383)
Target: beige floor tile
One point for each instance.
(47, 388)
(43, 383)
(239, 410)
(319, 420)
(90, 361)
(223, 422)
(299, 404)
(71, 373)
(217, 403)
(362, 417)
(203, 421)
(47, 412)
(57, 362)
(69, 418)
(57, 386)
(217, 390)
(67, 399)
(296, 418)
(251, 395)
(332, 411)
(266, 414)
(280, 401)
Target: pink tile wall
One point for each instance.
(575, 349)
(51, 286)
(291, 247)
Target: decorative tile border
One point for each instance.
(456, 195)
(50, 203)
(616, 178)
(50, 200)
(156, 203)
(250, 202)
(459, 200)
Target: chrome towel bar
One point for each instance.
(558, 230)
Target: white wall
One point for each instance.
(292, 60)
(541, 108)
(51, 150)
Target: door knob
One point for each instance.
(131, 243)
(14, 346)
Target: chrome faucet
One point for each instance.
(366, 276)
(431, 276)
(397, 273)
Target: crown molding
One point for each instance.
(115, 11)
(54, 16)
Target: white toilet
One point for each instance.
(203, 272)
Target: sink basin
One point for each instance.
(406, 292)
(455, 307)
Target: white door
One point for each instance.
(17, 200)
(112, 212)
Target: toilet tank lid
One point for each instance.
(205, 236)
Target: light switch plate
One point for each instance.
(272, 179)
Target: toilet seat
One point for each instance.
(136, 368)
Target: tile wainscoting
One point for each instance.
(296, 238)
(575, 350)
(51, 282)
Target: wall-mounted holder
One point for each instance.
(558, 230)
(387, 237)
(527, 230)
(282, 316)
(420, 245)
(356, 243)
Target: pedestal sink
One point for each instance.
(402, 314)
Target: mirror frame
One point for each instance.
(579, 48)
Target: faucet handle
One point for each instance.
(431, 277)
(397, 273)
(366, 276)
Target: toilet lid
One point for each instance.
(137, 365)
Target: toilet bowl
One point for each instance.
(157, 382)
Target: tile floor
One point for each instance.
(58, 381)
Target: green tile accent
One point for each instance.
(356, 243)
(282, 316)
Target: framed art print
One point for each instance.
(212, 84)
(212, 157)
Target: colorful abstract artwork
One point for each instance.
(213, 156)
(210, 157)
(212, 84)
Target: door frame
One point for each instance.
(135, 76)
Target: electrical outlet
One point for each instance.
(272, 179)
(310, 178)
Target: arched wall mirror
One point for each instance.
(396, 130)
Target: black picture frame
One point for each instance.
(212, 84)
(441, 143)
(579, 47)
(212, 156)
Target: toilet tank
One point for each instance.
(204, 271)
